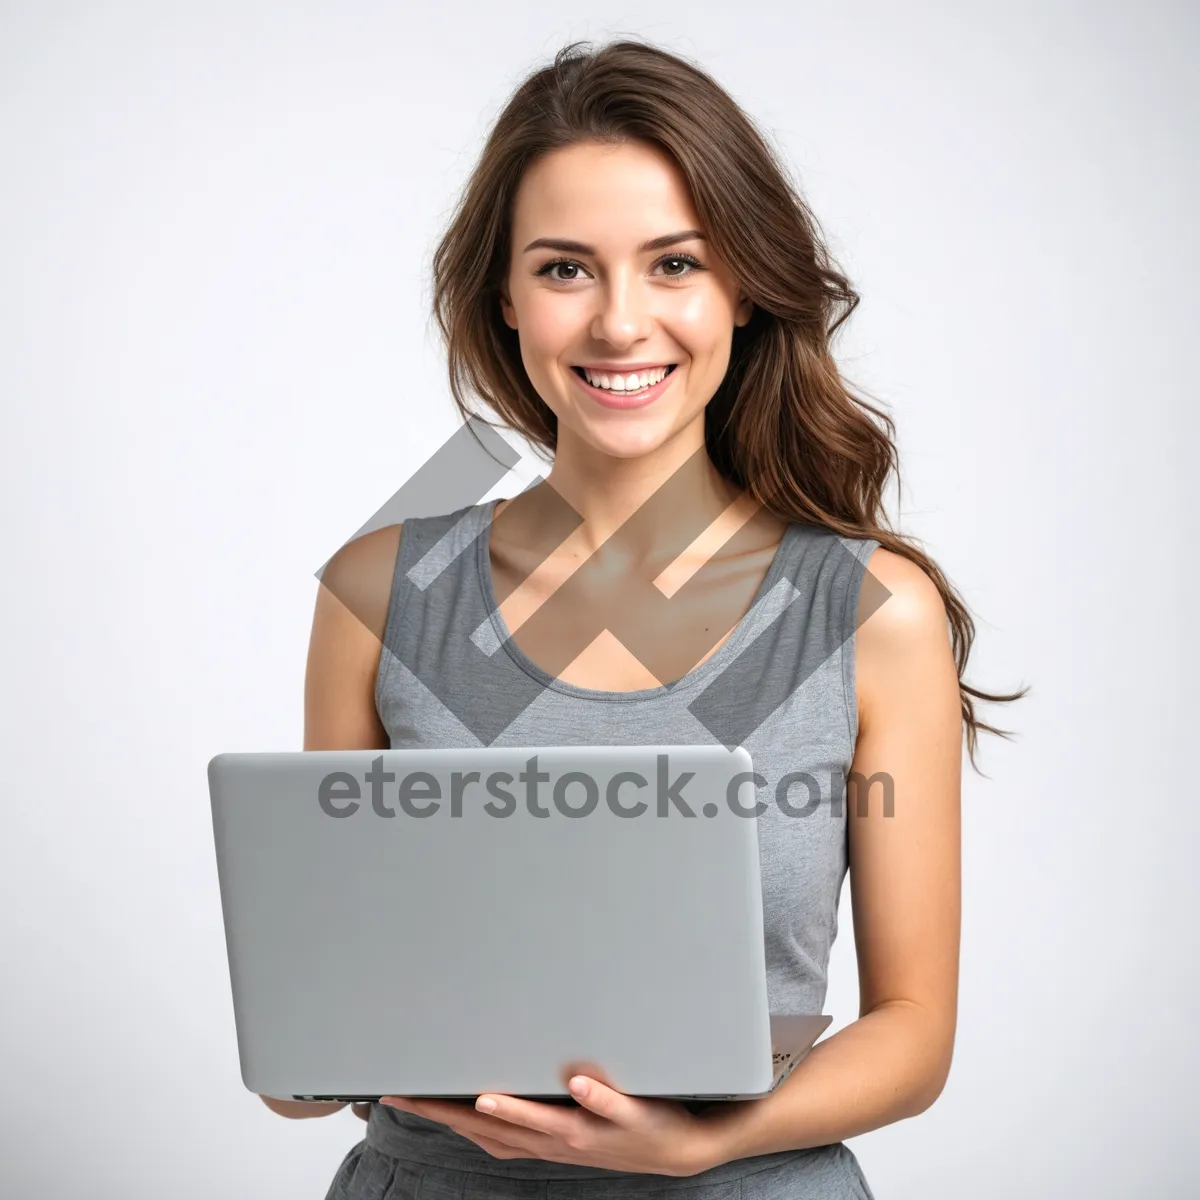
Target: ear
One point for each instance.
(744, 311)
(507, 311)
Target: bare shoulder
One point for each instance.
(360, 576)
(914, 600)
(903, 645)
(344, 650)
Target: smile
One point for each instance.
(623, 398)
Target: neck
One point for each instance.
(660, 503)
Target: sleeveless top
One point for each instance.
(782, 685)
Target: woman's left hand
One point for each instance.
(610, 1129)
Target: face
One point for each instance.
(585, 289)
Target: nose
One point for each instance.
(623, 316)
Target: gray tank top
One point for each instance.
(782, 685)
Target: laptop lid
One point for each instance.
(448, 922)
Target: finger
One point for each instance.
(496, 1146)
(362, 1111)
(509, 1113)
(499, 1149)
(606, 1102)
(444, 1111)
(461, 1117)
(550, 1119)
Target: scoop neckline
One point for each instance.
(697, 675)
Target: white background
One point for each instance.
(216, 361)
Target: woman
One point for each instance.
(631, 283)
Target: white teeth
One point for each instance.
(626, 383)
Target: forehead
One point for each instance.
(602, 193)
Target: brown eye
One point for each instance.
(692, 265)
(547, 268)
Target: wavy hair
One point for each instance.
(784, 426)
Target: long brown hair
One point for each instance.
(783, 425)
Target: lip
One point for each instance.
(622, 368)
(617, 400)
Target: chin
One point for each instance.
(626, 440)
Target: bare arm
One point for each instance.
(339, 682)
(905, 872)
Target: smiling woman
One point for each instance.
(631, 283)
(668, 294)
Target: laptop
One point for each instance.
(448, 922)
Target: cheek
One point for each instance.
(548, 326)
(705, 325)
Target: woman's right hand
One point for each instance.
(299, 1110)
(344, 650)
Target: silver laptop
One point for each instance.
(496, 919)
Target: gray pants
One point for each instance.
(826, 1173)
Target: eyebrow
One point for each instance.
(658, 243)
